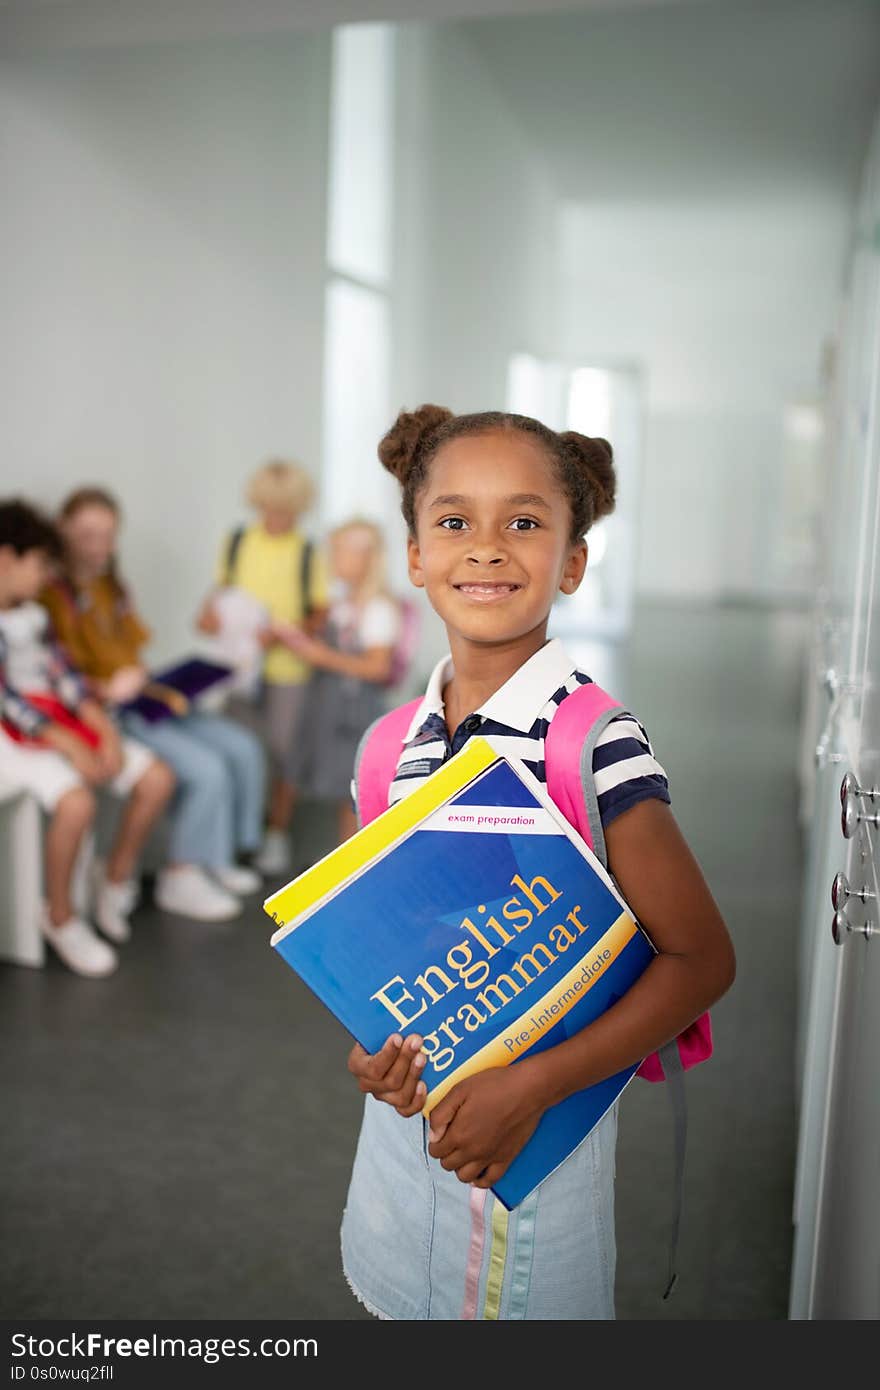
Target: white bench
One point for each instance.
(21, 877)
(21, 873)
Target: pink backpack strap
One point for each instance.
(568, 759)
(376, 760)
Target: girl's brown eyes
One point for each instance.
(519, 523)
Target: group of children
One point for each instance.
(71, 664)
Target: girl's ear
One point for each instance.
(573, 570)
(414, 563)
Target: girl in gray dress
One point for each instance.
(353, 667)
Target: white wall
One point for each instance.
(475, 223)
(705, 161)
(478, 198)
(725, 302)
(162, 253)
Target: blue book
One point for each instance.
(170, 691)
(473, 914)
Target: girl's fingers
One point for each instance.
(457, 1159)
(415, 1106)
(443, 1146)
(393, 1073)
(491, 1175)
(375, 1065)
(406, 1066)
(470, 1172)
(405, 1093)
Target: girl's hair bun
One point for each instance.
(399, 447)
(595, 457)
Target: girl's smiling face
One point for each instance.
(493, 538)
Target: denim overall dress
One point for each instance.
(416, 1242)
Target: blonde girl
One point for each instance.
(273, 560)
(352, 665)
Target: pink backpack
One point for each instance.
(568, 760)
(405, 646)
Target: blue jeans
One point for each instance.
(221, 780)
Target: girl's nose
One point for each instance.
(486, 553)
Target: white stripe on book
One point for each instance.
(493, 820)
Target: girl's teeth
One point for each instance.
(487, 588)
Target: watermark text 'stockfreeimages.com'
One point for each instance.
(95, 1347)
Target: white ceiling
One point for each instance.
(758, 97)
(39, 24)
(669, 97)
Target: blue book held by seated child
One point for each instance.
(472, 914)
(170, 692)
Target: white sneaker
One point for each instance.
(235, 878)
(274, 857)
(113, 903)
(81, 949)
(189, 892)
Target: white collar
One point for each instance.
(519, 700)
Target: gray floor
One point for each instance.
(177, 1140)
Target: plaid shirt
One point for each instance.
(31, 662)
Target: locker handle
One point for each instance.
(850, 787)
(841, 892)
(851, 816)
(842, 927)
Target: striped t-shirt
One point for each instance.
(516, 719)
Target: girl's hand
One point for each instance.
(87, 763)
(393, 1074)
(109, 752)
(292, 637)
(125, 684)
(478, 1129)
(207, 620)
(176, 701)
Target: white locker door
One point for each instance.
(836, 1262)
(847, 1282)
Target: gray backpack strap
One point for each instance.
(670, 1058)
(232, 550)
(588, 783)
(305, 578)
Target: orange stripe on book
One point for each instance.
(499, 1053)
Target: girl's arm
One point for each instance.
(109, 752)
(207, 619)
(374, 664)
(483, 1123)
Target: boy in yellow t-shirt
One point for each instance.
(275, 563)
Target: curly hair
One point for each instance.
(584, 466)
